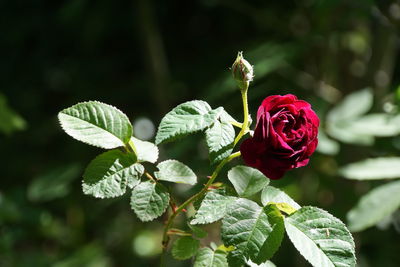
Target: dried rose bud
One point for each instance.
(242, 71)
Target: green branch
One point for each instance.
(190, 200)
(245, 125)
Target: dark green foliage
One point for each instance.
(146, 57)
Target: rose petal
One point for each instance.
(284, 138)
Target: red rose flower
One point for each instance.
(284, 138)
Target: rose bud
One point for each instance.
(284, 138)
(242, 72)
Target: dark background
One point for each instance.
(145, 57)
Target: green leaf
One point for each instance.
(275, 237)
(197, 231)
(149, 201)
(255, 232)
(322, 239)
(10, 121)
(379, 124)
(54, 183)
(373, 169)
(352, 106)
(343, 133)
(206, 257)
(220, 138)
(146, 151)
(246, 180)
(326, 145)
(90, 255)
(213, 207)
(186, 118)
(96, 124)
(236, 258)
(110, 173)
(274, 195)
(264, 264)
(185, 248)
(175, 171)
(374, 206)
(340, 118)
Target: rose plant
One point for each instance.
(285, 136)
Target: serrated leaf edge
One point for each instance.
(126, 184)
(174, 160)
(150, 219)
(177, 136)
(329, 215)
(88, 102)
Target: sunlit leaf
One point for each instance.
(352, 106)
(175, 171)
(264, 264)
(220, 138)
(96, 124)
(186, 118)
(326, 145)
(343, 133)
(378, 124)
(322, 239)
(274, 195)
(213, 207)
(146, 151)
(246, 180)
(110, 173)
(374, 206)
(255, 232)
(149, 201)
(342, 116)
(207, 257)
(373, 169)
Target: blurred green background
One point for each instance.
(145, 57)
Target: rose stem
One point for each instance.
(168, 225)
(245, 125)
(190, 200)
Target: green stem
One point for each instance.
(236, 124)
(245, 125)
(243, 131)
(178, 232)
(130, 147)
(190, 200)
